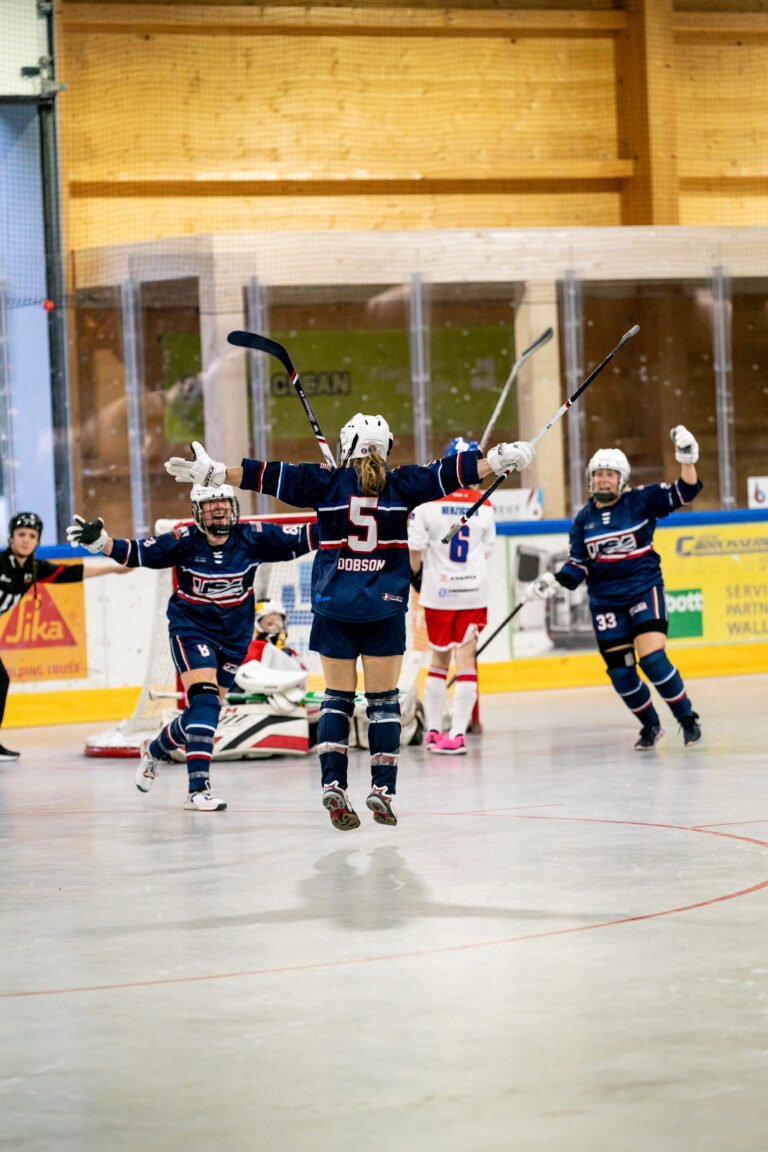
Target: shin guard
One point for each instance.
(435, 694)
(635, 694)
(668, 682)
(172, 739)
(383, 713)
(464, 699)
(336, 712)
(199, 721)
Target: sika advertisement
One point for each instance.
(44, 638)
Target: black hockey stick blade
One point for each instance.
(539, 342)
(259, 343)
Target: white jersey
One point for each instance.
(454, 574)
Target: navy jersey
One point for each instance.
(214, 593)
(361, 570)
(612, 548)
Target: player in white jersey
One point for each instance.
(453, 589)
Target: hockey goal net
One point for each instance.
(288, 582)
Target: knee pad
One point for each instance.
(202, 713)
(657, 667)
(618, 658)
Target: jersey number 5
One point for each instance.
(361, 514)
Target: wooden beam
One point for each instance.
(645, 77)
(534, 177)
(722, 25)
(313, 20)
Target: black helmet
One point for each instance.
(25, 520)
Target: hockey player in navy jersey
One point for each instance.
(360, 580)
(210, 616)
(611, 547)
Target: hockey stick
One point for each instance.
(542, 431)
(495, 633)
(263, 344)
(529, 351)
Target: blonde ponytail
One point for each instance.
(372, 473)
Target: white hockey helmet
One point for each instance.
(200, 496)
(269, 608)
(362, 435)
(610, 458)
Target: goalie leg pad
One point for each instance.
(384, 723)
(632, 690)
(667, 681)
(336, 711)
(199, 721)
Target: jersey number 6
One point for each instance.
(459, 546)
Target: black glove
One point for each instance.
(416, 579)
(88, 534)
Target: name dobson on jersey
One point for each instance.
(360, 564)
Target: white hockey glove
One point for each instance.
(90, 535)
(542, 588)
(202, 470)
(515, 456)
(686, 445)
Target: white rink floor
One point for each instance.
(562, 946)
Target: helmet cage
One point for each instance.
(612, 459)
(361, 436)
(200, 496)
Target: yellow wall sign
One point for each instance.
(716, 581)
(44, 638)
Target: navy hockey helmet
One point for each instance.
(461, 444)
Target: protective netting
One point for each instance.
(404, 195)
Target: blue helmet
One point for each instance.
(460, 444)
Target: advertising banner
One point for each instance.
(715, 578)
(43, 638)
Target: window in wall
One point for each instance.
(350, 347)
(167, 343)
(663, 377)
(749, 350)
(472, 352)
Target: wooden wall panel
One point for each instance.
(210, 133)
(184, 119)
(722, 108)
(97, 221)
(185, 106)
